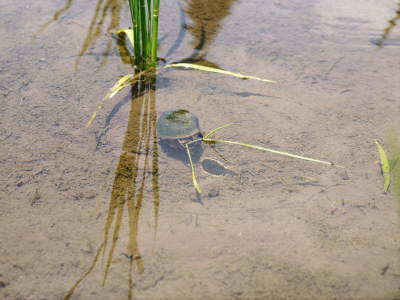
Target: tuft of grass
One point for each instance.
(144, 15)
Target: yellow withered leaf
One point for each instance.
(209, 69)
(119, 85)
(128, 33)
(384, 165)
(196, 185)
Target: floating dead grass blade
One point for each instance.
(209, 69)
(384, 165)
(196, 185)
(119, 85)
(207, 139)
(269, 150)
(217, 129)
(122, 83)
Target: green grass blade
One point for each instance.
(149, 21)
(154, 31)
(209, 69)
(216, 129)
(136, 32)
(269, 150)
(196, 186)
(133, 5)
(384, 165)
(143, 32)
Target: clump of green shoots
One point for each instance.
(143, 37)
(144, 34)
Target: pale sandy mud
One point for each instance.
(276, 228)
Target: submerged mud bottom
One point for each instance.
(214, 167)
(177, 150)
(283, 229)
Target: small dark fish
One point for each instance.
(248, 94)
(103, 54)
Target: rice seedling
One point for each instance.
(143, 39)
(144, 15)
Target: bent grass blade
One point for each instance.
(270, 150)
(384, 165)
(217, 129)
(119, 85)
(196, 185)
(207, 139)
(209, 69)
(122, 83)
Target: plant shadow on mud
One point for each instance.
(104, 10)
(206, 16)
(137, 164)
(384, 38)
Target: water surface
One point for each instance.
(274, 227)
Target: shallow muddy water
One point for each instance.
(265, 226)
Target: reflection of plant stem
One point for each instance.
(129, 183)
(207, 16)
(156, 193)
(94, 31)
(389, 28)
(72, 290)
(55, 16)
